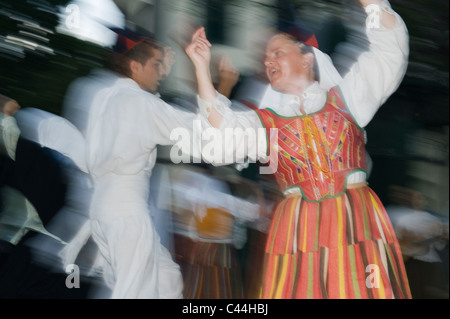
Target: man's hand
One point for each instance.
(9, 108)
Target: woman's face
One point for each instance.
(284, 64)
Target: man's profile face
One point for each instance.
(150, 74)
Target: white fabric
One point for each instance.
(125, 126)
(329, 76)
(427, 228)
(18, 216)
(70, 224)
(314, 98)
(378, 72)
(80, 94)
(375, 75)
(195, 188)
(9, 135)
(161, 204)
(54, 132)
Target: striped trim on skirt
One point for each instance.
(340, 248)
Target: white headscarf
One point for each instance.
(329, 77)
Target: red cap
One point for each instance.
(312, 41)
(127, 39)
(129, 44)
(303, 35)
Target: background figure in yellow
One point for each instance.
(209, 227)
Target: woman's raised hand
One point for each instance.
(198, 49)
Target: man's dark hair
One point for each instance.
(140, 53)
(132, 45)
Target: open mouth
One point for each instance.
(273, 72)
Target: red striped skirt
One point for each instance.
(343, 247)
(210, 270)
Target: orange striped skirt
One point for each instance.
(343, 247)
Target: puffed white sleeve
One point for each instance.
(241, 134)
(378, 72)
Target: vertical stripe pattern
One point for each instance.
(210, 270)
(340, 248)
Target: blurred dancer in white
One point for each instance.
(126, 123)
